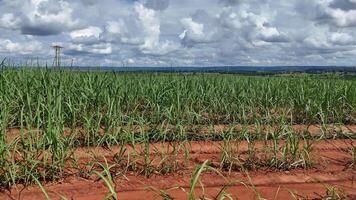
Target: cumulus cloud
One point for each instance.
(323, 40)
(126, 31)
(150, 24)
(340, 13)
(89, 35)
(9, 21)
(41, 17)
(88, 41)
(230, 25)
(185, 32)
(130, 61)
(342, 18)
(193, 33)
(81, 49)
(27, 47)
(141, 28)
(341, 38)
(199, 28)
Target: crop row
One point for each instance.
(43, 99)
(55, 112)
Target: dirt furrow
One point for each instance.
(331, 170)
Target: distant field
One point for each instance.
(57, 124)
(72, 98)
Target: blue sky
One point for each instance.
(181, 32)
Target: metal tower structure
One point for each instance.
(57, 57)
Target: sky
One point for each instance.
(180, 32)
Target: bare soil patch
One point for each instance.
(313, 129)
(332, 169)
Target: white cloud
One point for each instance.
(26, 47)
(91, 31)
(150, 26)
(342, 18)
(101, 48)
(9, 21)
(124, 32)
(316, 41)
(341, 38)
(150, 23)
(130, 61)
(192, 26)
(271, 34)
(242, 25)
(90, 35)
(40, 17)
(194, 32)
(184, 32)
(340, 13)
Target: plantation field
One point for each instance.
(94, 135)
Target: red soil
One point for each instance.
(332, 168)
(216, 129)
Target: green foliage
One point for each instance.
(103, 99)
(58, 111)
